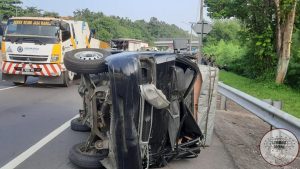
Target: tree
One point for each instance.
(270, 37)
(110, 27)
(256, 17)
(224, 29)
(32, 12)
(8, 8)
(285, 19)
(223, 47)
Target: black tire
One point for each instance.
(76, 125)
(18, 83)
(78, 65)
(87, 160)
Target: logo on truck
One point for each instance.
(20, 49)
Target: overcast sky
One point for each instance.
(178, 12)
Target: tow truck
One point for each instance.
(35, 46)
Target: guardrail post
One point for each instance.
(277, 104)
(270, 102)
(223, 105)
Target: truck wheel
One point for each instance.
(86, 61)
(88, 160)
(18, 83)
(66, 79)
(68, 76)
(76, 125)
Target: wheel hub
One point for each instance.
(88, 55)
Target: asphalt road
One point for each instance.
(29, 113)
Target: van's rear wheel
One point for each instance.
(90, 159)
(86, 61)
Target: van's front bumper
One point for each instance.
(49, 70)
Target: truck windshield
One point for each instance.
(14, 29)
(32, 30)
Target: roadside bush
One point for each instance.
(226, 54)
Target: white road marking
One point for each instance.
(29, 152)
(9, 88)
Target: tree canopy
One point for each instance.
(109, 27)
(8, 8)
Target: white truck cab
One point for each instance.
(35, 46)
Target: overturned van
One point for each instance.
(137, 107)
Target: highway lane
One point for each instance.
(30, 112)
(4, 85)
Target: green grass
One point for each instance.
(265, 90)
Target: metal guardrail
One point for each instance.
(266, 112)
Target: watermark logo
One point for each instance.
(279, 147)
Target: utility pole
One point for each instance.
(191, 36)
(201, 35)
